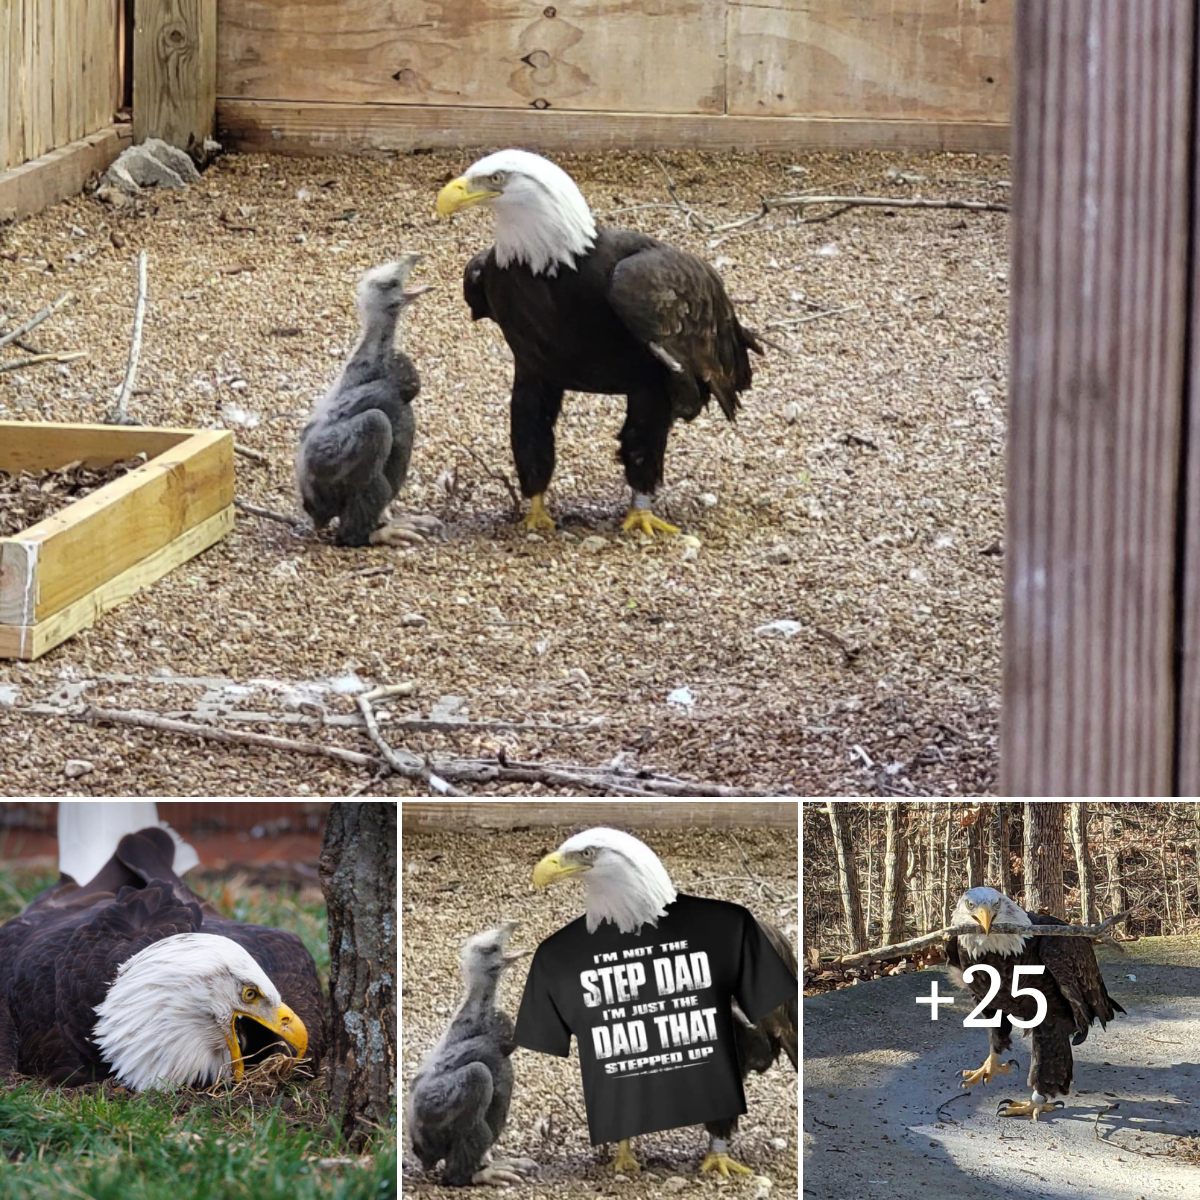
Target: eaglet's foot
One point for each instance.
(1027, 1108)
(992, 1066)
(537, 518)
(496, 1176)
(644, 521)
(623, 1162)
(723, 1165)
(411, 529)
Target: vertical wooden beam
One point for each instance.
(175, 71)
(1099, 330)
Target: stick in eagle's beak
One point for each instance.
(461, 193)
(552, 868)
(285, 1025)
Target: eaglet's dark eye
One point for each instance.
(494, 948)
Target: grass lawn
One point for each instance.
(100, 1142)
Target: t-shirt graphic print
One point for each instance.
(650, 1011)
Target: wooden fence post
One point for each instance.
(175, 71)
(1098, 409)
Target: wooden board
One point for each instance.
(919, 60)
(88, 556)
(175, 69)
(29, 642)
(51, 177)
(440, 816)
(660, 56)
(1099, 334)
(284, 128)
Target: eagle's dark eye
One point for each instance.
(589, 853)
(496, 177)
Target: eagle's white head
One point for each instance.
(626, 881)
(542, 220)
(984, 906)
(192, 1008)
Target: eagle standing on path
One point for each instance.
(1071, 984)
(591, 309)
(628, 885)
(133, 975)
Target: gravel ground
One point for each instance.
(875, 1074)
(455, 885)
(31, 496)
(860, 494)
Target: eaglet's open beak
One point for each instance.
(461, 193)
(285, 1025)
(552, 868)
(984, 917)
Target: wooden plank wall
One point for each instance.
(304, 73)
(60, 74)
(1102, 604)
(436, 816)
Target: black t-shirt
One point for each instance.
(651, 1013)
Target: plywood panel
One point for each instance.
(269, 126)
(657, 56)
(947, 60)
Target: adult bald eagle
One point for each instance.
(595, 309)
(1071, 983)
(133, 975)
(628, 885)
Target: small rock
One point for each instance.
(919, 575)
(762, 1186)
(413, 620)
(117, 238)
(303, 194)
(674, 1183)
(829, 250)
(593, 544)
(619, 1178)
(690, 554)
(782, 628)
(791, 412)
(691, 541)
(708, 499)
(781, 553)
(153, 163)
(682, 697)
(76, 768)
(779, 1143)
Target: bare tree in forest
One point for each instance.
(894, 862)
(999, 874)
(1044, 857)
(946, 871)
(358, 876)
(1083, 862)
(1114, 867)
(975, 846)
(843, 847)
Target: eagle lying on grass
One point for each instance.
(133, 975)
(1071, 983)
(595, 309)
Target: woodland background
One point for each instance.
(878, 872)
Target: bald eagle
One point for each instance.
(628, 885)
(595, 309)
(1071, 983)
(132, 975)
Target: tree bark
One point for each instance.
(894, 863)
(358, 876)
(975, 848)
(946, 908)
(1044, 857)
(1083, 862)
(999, 873)
(847, 876)
(1114, 868)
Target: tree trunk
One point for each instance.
(1083, 862)
(1113, 865)
(894, 862)
(946, 869)
(975, 848)
(931, 873)
(1044, 857)
(999, 874)
(358, 877)
(847, 876)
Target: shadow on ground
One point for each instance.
(886, 1119)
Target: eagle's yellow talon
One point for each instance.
(646, 522)
(992, 1067)
(537, 517)
(723, 1165)
(1025, 1108)
(623, 1162)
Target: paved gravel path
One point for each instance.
(876, 1068)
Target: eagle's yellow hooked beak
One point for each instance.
(284, 1024)
(984, 917)
(461, 193)
(552, 868)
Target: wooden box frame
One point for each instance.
(58, 576)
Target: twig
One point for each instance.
(214, 733)
(771, 204)
(246, 452)
(267, 514)
(686, 209)
(118, 415)
(61, 356)
(762, 884)
(948, 1117)
(792, 322)
(498, 476)
(36, 319)
(899, 949)
(402, 762)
